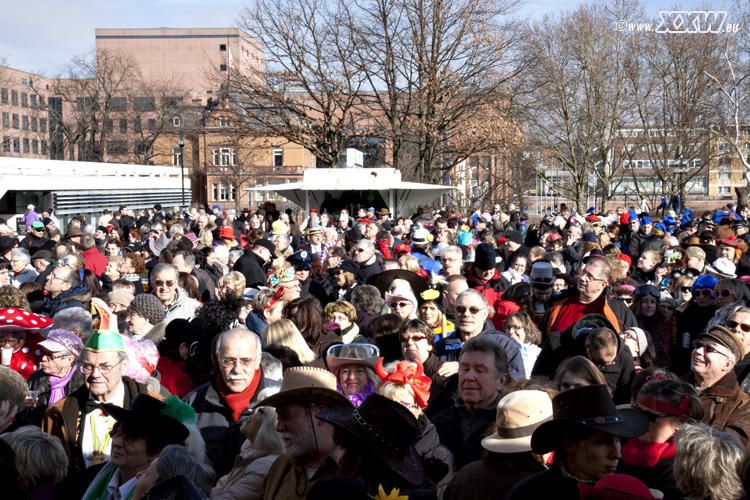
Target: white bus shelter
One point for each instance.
(402, 198)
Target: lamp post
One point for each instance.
(682, 169)
(181, 143)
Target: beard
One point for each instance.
(298, 447)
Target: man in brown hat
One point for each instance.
(307, 441)
(383, 215)
(712, 372)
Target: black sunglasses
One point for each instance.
(734, 324)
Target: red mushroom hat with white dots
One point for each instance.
(15, 319)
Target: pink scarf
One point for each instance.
(57, 384)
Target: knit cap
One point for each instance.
(149, 307)
(122, 297)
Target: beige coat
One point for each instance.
(245, 481)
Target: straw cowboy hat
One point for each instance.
(518, 416)
(307, 384)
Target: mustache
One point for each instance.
(236, 376)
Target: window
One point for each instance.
(172, 102)
(725, 161)
(142, 148)
(223, 191)
(24, 81)
(26, 147)
(222, 67)
(35, 147)
(214, 192)
(25, 121)
(14, 98)
(725, 176)
(109, 126)
(44, 147)
(222, 47)
(33, 100)
(137, 126)
(6, 120)
(24, 100)
(119, 104)
(117, 148)
(6, 145)
(152, 123)
(176, 121)
(34, 124)
(43, 125)
(233, 193)
(223, 122)
(725, 189)
(176, 157)
(16, 146)
(123, 126)
(15, 121)
(143, 104)
(223, 157)
(84, 104)
(4, 96)
(278, 157)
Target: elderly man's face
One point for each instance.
(371, 231)
(471, 314)
(710, 359)
(17, 263)
(299, 431)
(165, 286)
(738, 323)
(201, 223)
(316, 239)
(478, 384)
(634, 225)
(362, 253)
(40, 265)
(238, 361)
(179, 262)
(103, 372)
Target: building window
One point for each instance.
(26, 147)
(16, 146)
(176, 121)
(123, 126)
(222, 47)
(34, 124)
(223, 191)
(44, 147)
(6, 120)
(152, 123)
(35, 146)
(24, 100)
(143, 104)
(233, 193)
(137, 126)
(223, 157)
(25, 121)
(725, 176)
(223, 122)
(142, 148)
(24, 81)
(725, 189)
(6, 145)
(43, 125)
(278, 157)
(4, 96)
(33, 100)
(117, 148)
(119, 104)
(15, 121)
(222, 67)
(14, 98)
(109, 126)
(214, 191)
(176, 157)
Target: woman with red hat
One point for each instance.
(19, 339)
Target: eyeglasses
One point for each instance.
(87, 368)
(589, 277)
(472, 310)
(709, 349)
(401, 305)
(706, 292)
(232, 362)
(293, 287)
(685, 289)
(10, 342)
(725, 293)
(651, 416)
(353, 351)
(734, 324)
(46, 354)
(413, 338)
(627, 300)
(338, 272)
(360, 250)
(413, 406)
(53, 276)
(160, 283)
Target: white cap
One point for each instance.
(30, 207)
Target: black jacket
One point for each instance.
(251, 266)
(367, 272)
(546, 484)
(634, 245)
(659, 477)
(75, 297)
(39, 381)
(560, 346)
(311, 288)
(218, 428)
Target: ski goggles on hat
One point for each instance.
(353, 351)
(648, 290)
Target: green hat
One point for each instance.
(104, 341)
(37, 225)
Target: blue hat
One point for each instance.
(632, 217)
(646, 221)
(590, 237)
(371, 210)
(718, 216)
(301, 259)
(705, 281)
(591, 210)
(660, 228)
(687, 211)
(216, 207)
(669, 221)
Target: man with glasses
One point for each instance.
(739, 324)
(364, 255)
(64, 290)
(223, 404)
(34, 238)
(78, 420)
(175, 300)
(712, 373)
(592, 296)
(452, 260)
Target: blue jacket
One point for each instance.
(75, 297)
(429, 265)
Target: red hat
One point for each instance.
(592, 218)
(226, 232)
(15, 319)
(625, 258)
(555, 237)
(110, 227)
(745, 279)
(313, 210)
(403, 247)
(500, 240)
(366, 222)
(616, 487)
(624, 218)
(730, 242)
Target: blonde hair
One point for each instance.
(206, 237)
(343, 307)
(397, 391)
(234, 279)
(283, 332)
(409, 262)
(40, 457)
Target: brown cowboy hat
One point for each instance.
(307, 384)
(383, 211)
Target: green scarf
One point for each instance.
(98, 488)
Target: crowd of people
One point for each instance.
(273, 355)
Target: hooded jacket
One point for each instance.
(560, 346)
(75, 297)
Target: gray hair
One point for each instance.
(242, 332)
(282, 237)
(366, 299)
(74, 318)
(159, 268)
(89, 229)
(331, 232)
(187, 257)
(366, 244)
(452, 251)
(473, 292)
(87, 242)
(175, 460)
(558, 220)
(360, 227)
(554, 258)
(234, 256)
(221, 251)
(707, 461)
(175, 230)
(21, 253)
(157, 225)
(12, 386)
(40, 457)
(272, 367)
(267, 439)
(486, 344)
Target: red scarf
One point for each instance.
(641, 454)
(384, 250)
(237, 402)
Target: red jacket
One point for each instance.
(95, 262)
(26, 360)
(174, 378)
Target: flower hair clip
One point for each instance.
(672, 256)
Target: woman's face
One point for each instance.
(111, 268)
(726, 252)
(724, 296)
(245, 308)
(660, 429)
(514, 329)
(3, 277)
(572, 380)
(402, 307)
(630, 339)
(251, 426)
(648, 306)
(704, 300)
(341, 319)
(593, 458)
(340, 279)
(57, 364)
(666, 309)
(211, 258)
(519, 266)
(430, 314)
(559, 285)
(125, 267)
(408, 401)
(273, 314)
(353, 379)
(128, 452)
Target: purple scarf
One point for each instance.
(358, 398)
(57, 384)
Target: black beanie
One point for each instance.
(515, 237)
(485, 256)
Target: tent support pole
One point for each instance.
(307, 203)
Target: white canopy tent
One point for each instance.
(402, 198)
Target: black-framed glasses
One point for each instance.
(709, 349)
(168, 283)
(734, 324)
(472, 310)
(627, 300)
(686, 289)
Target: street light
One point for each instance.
(682, 169)
(181, 143)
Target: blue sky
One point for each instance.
(42, 35)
